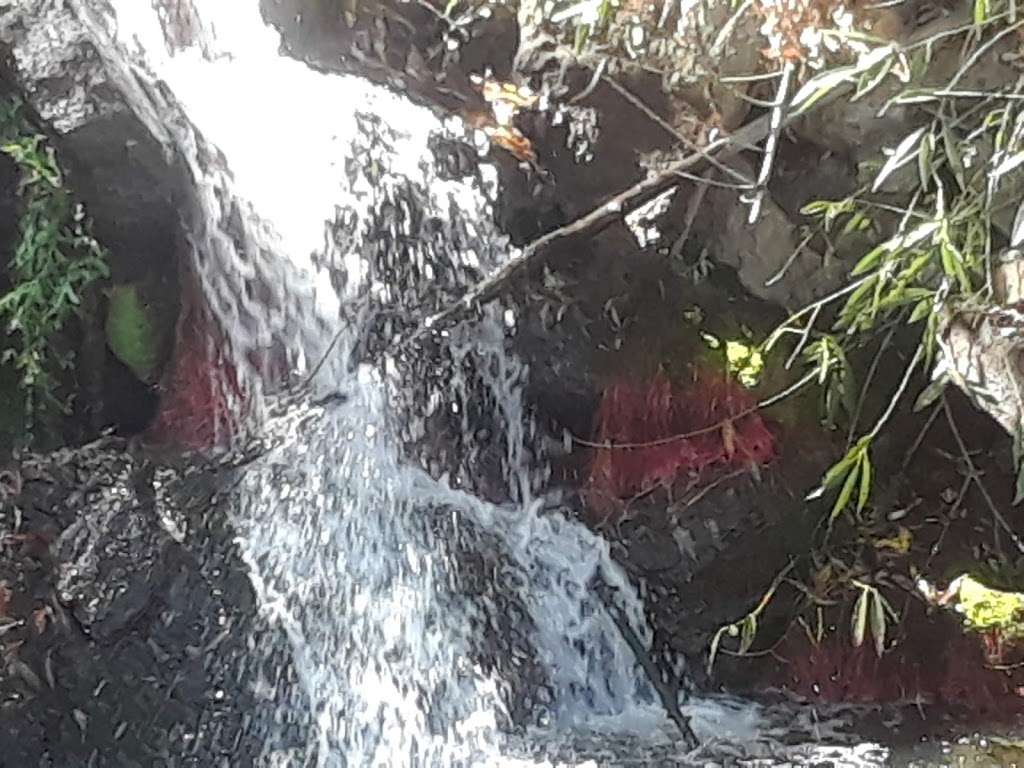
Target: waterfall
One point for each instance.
(307, 183)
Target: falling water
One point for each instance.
(358, 553)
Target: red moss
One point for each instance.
(951, 673)
(202, 399)
(716, 414)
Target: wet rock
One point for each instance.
(110, 560)
(161, 653)
(767, 254)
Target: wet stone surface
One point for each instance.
(128, 629)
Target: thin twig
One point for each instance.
(975, 477)
(668, 692)
(598, 71)
(804, 336)
(778, 115)
(727, 29)
(692, 207)
(867, 383)
(708, 181)
(920, 437)
(900, 390)
(637, 102)
(491, 287)
(721, 148)
(789, 262)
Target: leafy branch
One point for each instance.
(54, 260)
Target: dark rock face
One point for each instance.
(132, 638)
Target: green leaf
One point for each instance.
(820, 86)
(843, 499)
(877, 621)
(931, 393)
(981, 11)
(716, 641)
(905, 151)
(748, 632)
(865, 481)
(870, 260)
(924, 159)
(839, 470)
(859, 620)
(921, 310)
(869, 82)
(953, 155)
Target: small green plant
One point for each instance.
(54, 260)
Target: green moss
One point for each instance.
(985, 609)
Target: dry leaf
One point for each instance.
(493, 91)
(512, 141)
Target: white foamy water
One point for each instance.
(352, 548)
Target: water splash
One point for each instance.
(362, 558)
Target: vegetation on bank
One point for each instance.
(53, 262)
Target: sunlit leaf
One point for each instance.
(865, 481)
(859, 620)
(877, 621)
(748, 632)
(1008, 164)
(905, 152)
(981, 11)
(843, 499)
(820, 86)
(870, 260)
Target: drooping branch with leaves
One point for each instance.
(53, 262)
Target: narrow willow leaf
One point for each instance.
(1008, 164)
(869, 260)
(1018, 495)
(905, 151)
(924, 158)
(956, 265)
(921, 311)
(838, 471)
(953, 155)
(820, 86)
(931, 393)
(715, 642)
(816, 208)
(851, 308)
(1017, 234)
(859, 622)
(865, 481)
(868, 82)
(845, 494)
(877, 621)
(748, 632)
